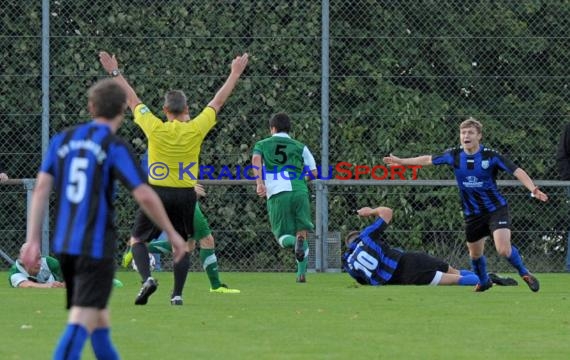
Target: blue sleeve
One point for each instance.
(375, 230)
(124, 166)
(50, 159)
(442, 159)
(505, 164)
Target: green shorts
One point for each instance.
(201, 226)
(289, 212)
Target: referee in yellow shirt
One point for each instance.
(172, 147)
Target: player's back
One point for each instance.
(284, 166)
(83, 162)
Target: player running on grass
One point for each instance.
(485, 210)
(281, 165)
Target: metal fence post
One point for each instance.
(322, 211)
(45, 109)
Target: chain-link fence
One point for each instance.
(360, 79)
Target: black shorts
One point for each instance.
(88, 281)
(416, 268)
(480, 226)
(179, 204)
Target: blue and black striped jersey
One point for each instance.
(476, 177)
(84, 162)
(369, 259)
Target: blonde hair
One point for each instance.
(472, 122)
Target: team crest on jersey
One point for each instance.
(485, 164)
(143, 110)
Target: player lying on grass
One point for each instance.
(371, 261)
(44, 273)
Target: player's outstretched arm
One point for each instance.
(238, 66)
(384, 212)
(523, 177)
(111, 66)
(40, 197)
(49, 285)
(420, 160)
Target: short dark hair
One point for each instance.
(175, 101)
(281, 122)
(107, 99)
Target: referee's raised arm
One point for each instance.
(238, 66)
(111, 66)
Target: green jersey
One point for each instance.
(50, 271)
(286, 163)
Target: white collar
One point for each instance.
(282, 134)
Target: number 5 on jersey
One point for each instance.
(77, 181)
(280, 151)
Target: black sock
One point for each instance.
(180, 270)
(140, 257)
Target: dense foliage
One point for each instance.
(403, 74)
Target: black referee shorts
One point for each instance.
(179, 203)
(415, 268)
(88, 281)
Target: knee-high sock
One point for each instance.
(516, 261)
(302, 266)
(102, 345)
(71, 343)
(464, 272)
(480, 269)
(210, 265)
(470, 279)
(140, 256)
(180, 271)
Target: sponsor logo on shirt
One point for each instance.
(472, 182)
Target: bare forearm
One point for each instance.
(31, 284)
(111, 66)
(132, 97)
(315, 174)
(523, 177)
(529, 184)
(35, 218)
(224, 92)
(37, 210)
(257, 170)
(419, 160)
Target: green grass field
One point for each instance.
(327, 318)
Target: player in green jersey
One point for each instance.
(281, 166)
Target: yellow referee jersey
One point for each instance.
(174, 146)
